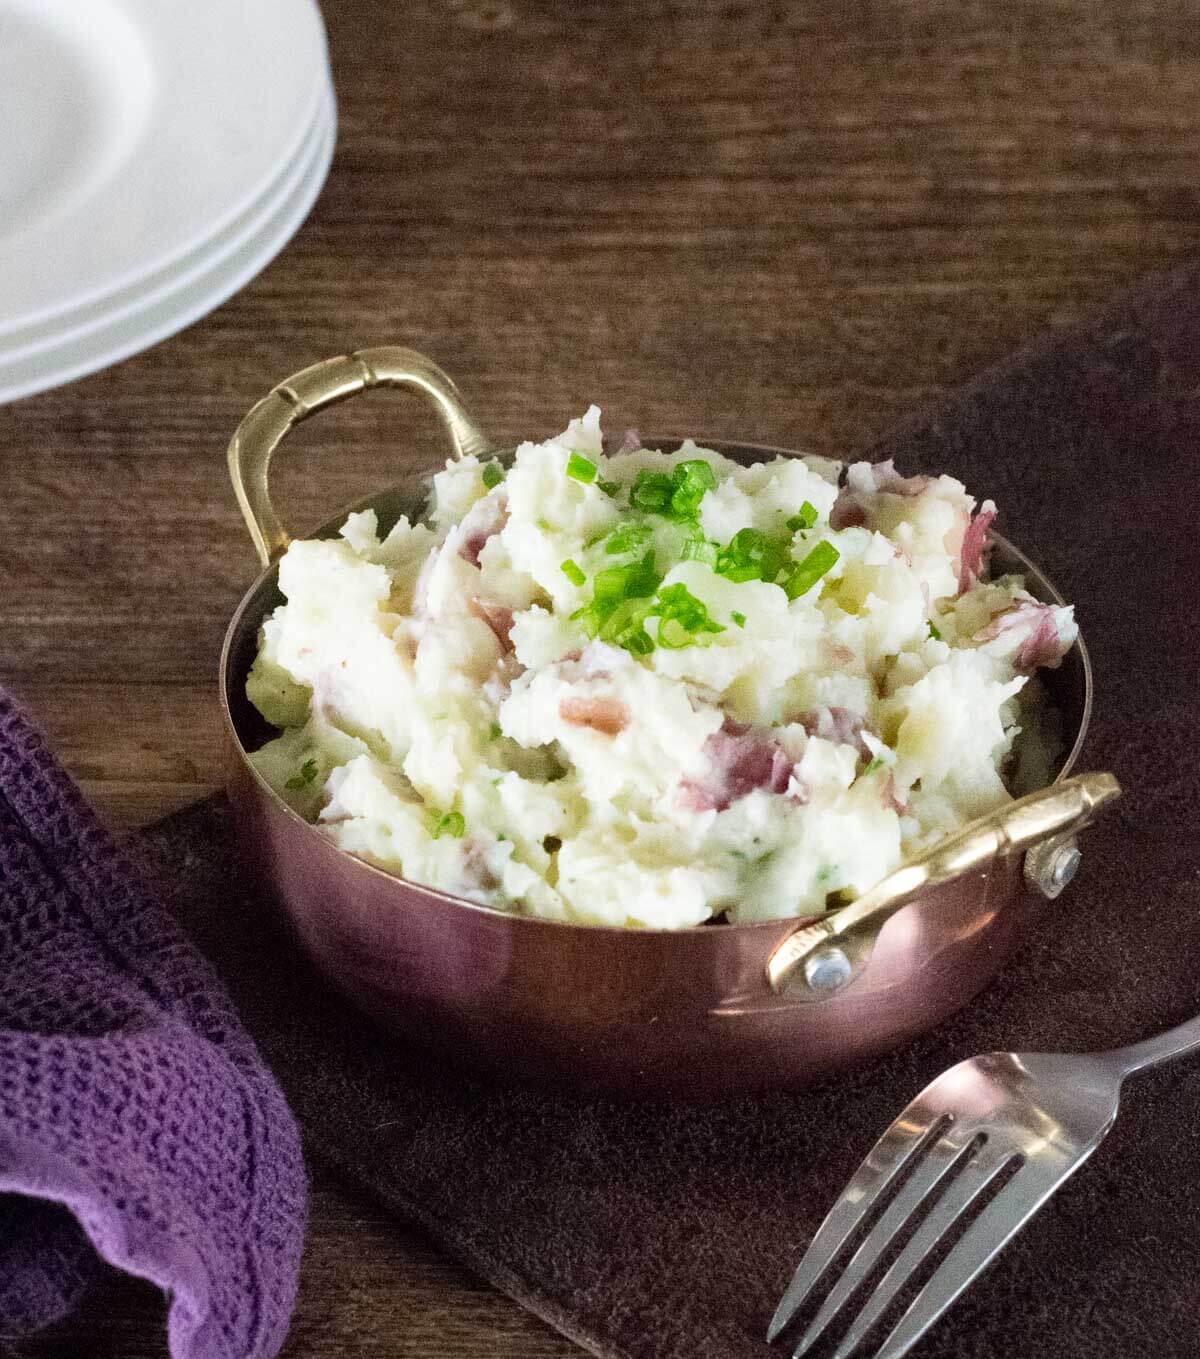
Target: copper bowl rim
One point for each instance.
(353, 864)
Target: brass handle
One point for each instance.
(313, 389)
(820, 959)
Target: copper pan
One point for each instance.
(697, 1012)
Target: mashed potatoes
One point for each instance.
(648, 688)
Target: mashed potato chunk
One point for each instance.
(647, 689)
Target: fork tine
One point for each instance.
(906, 1139)
(940, 1158)
(958, 1198)
(984, 1239)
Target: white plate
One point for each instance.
(115, 306)
(140, 327)
(145, 127)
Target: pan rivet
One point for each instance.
(1052, 869)
(827, 970)
(1065, 865)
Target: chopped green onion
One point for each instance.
(876, 764)
(638, 641)
(308, 772)
(634, 580)
(492, 474)
(450, 823)
(805, 519)
(627, 628)
(806, 574)
(572, 572)
(580, 468)
(695, 472)
(673, 635)
(738, 618)
(683, 618)
(651, 491)
(676, 495)
(934, 633)
(494, 732)
(738, 573)
(691, 480)
(627, 538)
(609, 487)
(612, 588)
(699, 550)
(752, 555)
(588, 618)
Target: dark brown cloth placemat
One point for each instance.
(653, 1230)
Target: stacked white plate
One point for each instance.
(154, 156)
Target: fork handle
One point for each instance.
(1176, 1042)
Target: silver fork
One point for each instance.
(1035, 1117)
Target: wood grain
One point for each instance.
(368, 1286)
(789, 221)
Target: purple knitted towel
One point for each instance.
(137, 1121)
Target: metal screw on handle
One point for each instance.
(1051, 866)
(822, 958)
(828, 970)
(313, 389)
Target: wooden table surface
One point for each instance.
(791, 222)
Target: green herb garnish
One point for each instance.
(682, 618)
(651, 491)
(626, 627)
(493, 474)
(677, 494)
(934, 633)
(580, 468)
(690, 481)
(308, 772)
(805, 575)
(752, 555)
(613, 588)
(449, 823)
(631, 581)
(876, 764)
(699, 550)
(494, 732)
(609, 487)
(638, 642)
(738, 618)
(627, 538)
(572, 572)
(805, 518)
